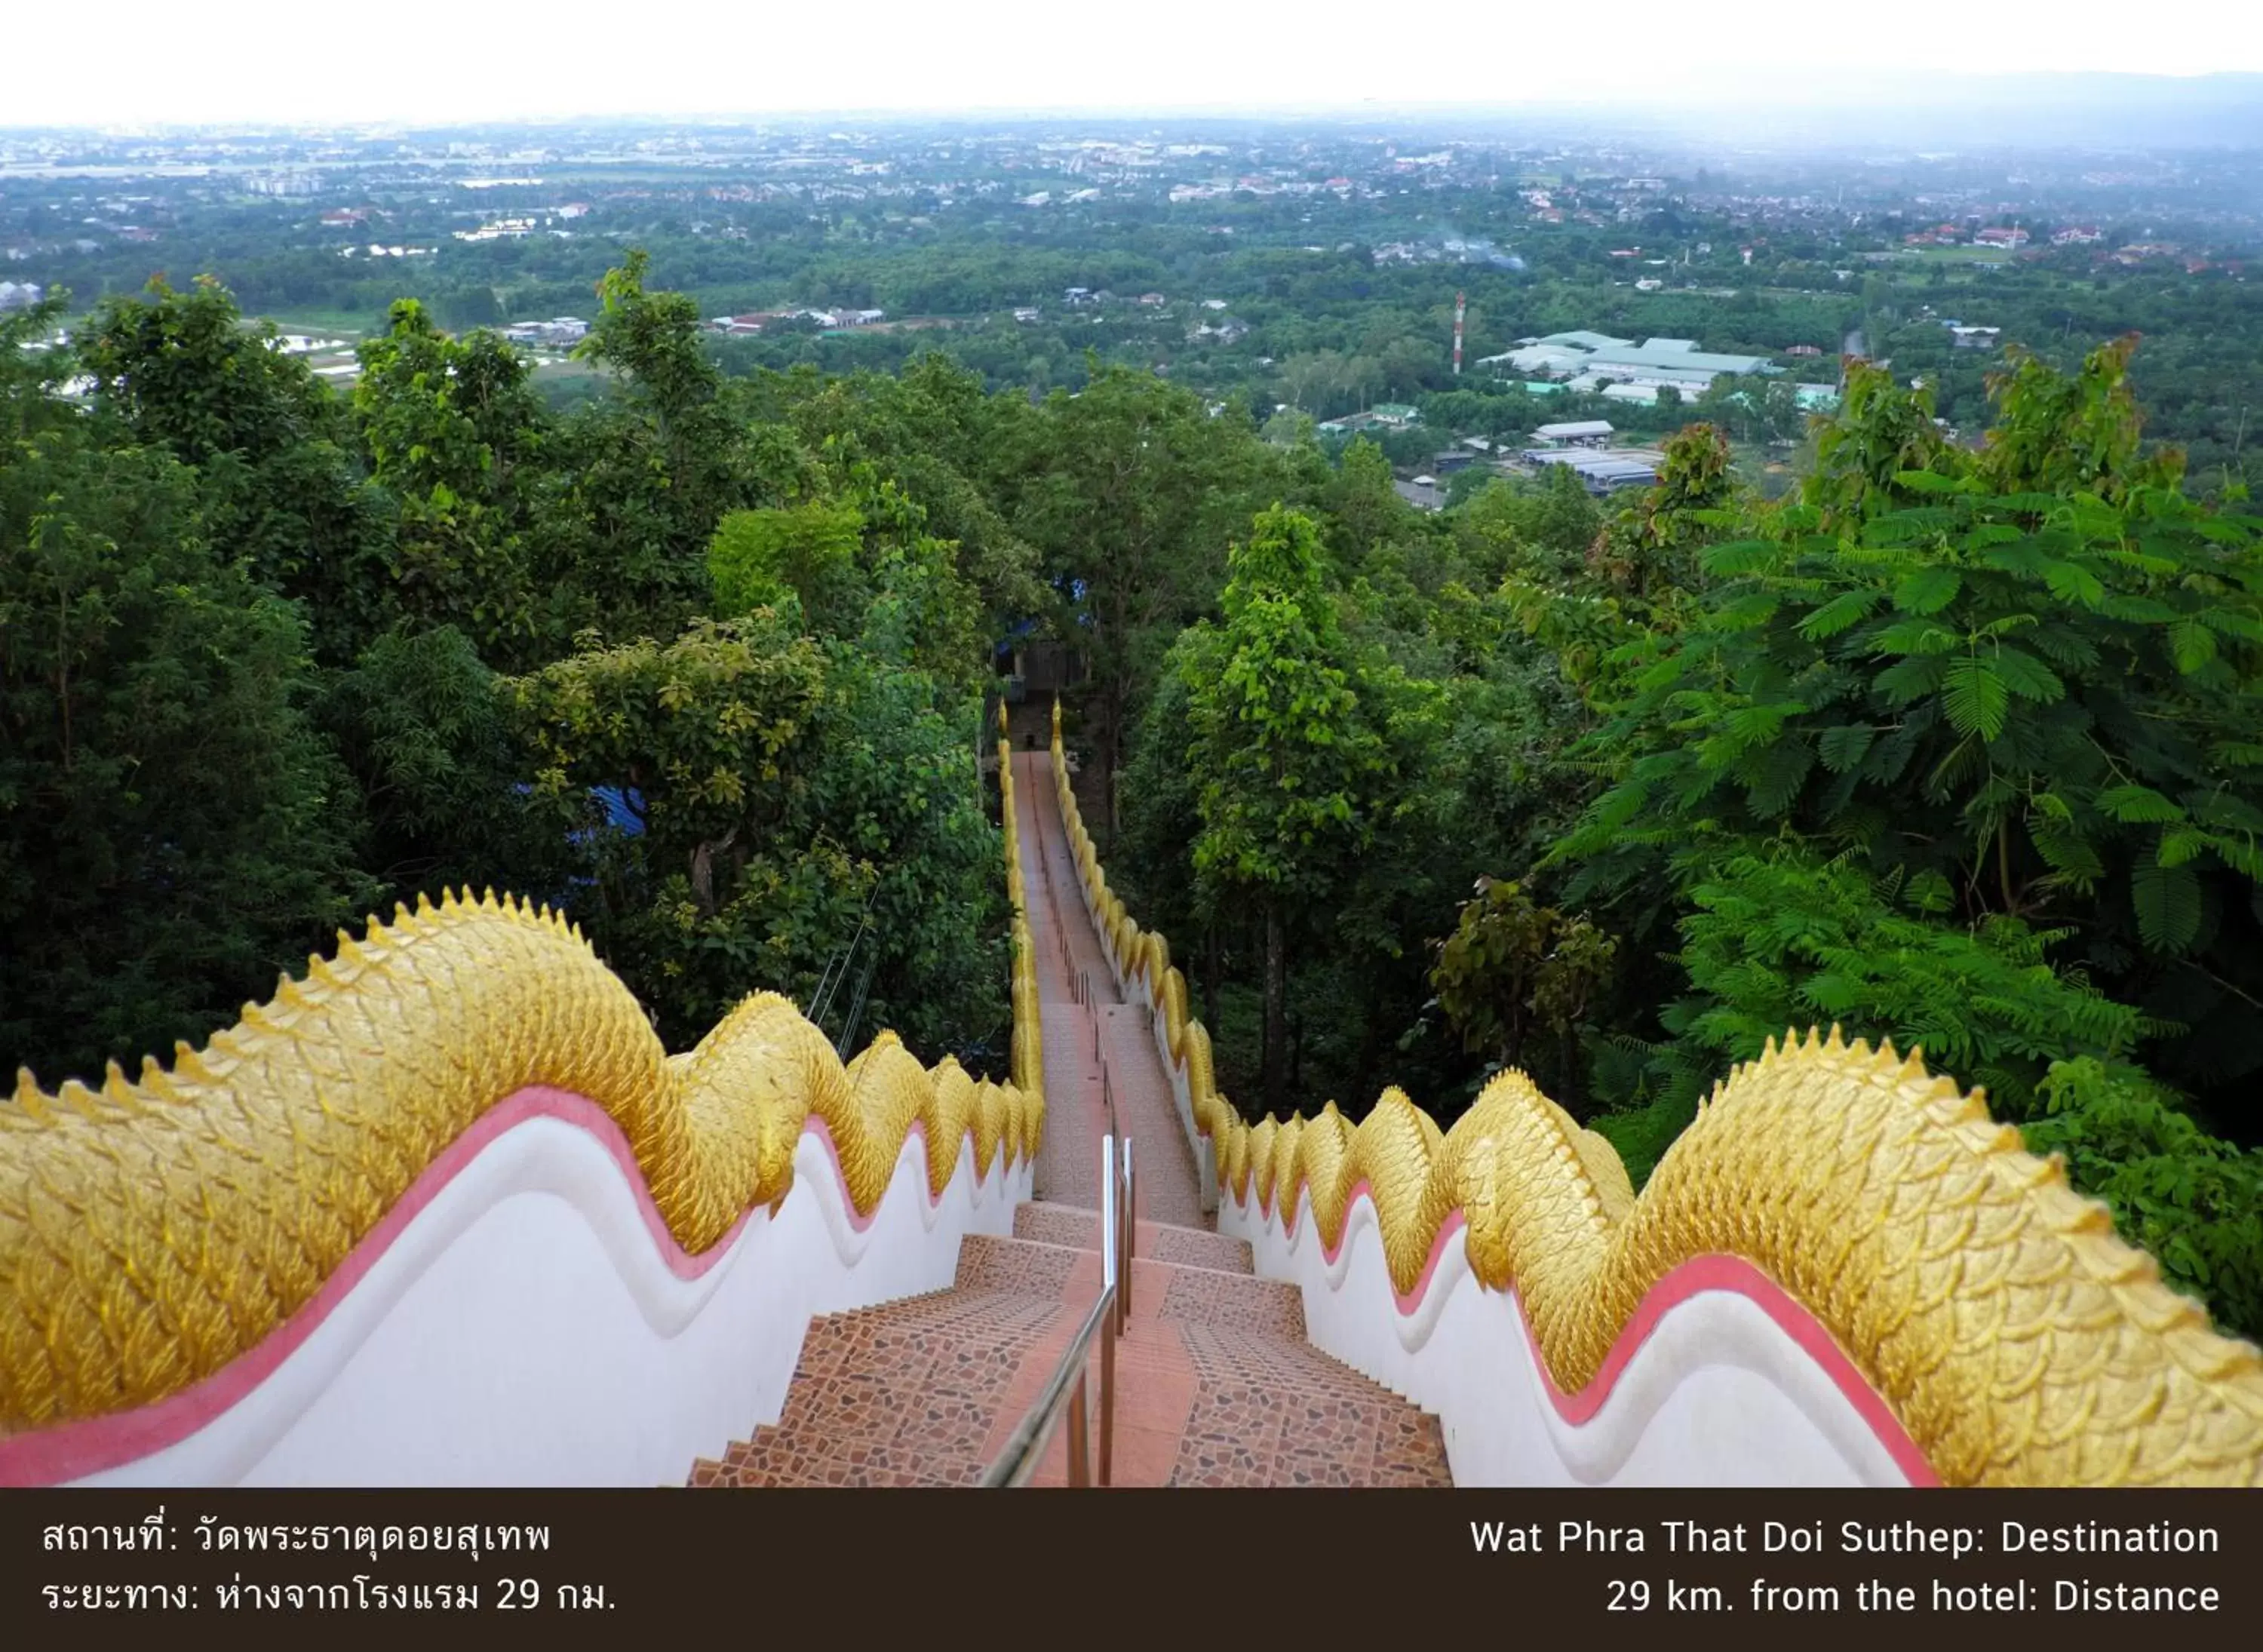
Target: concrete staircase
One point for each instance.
(1215, 1383)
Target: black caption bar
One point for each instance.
(2073, 1566)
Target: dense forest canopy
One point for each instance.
(1954, 742)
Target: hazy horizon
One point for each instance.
(263, 62)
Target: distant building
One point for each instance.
(1592, 359)
(1648, 284)
(19, 294)
(1803, 350)
(2078, 236)
(1816, 398)
(289, 182)
(1601, 472)
(1577, 434)
(1423, 493)
(1025, 314)
(1397, 415)
(2000, 238)
(557, 332)
(1152, 299)
(1974, 338)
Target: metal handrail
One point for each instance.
(1065, 1392)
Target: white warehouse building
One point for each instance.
(1590, 361)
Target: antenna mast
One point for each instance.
(1461, 308)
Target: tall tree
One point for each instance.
(454, 432)
(1129, 491)
(173, 834)
(268, 440)
(1295, 750)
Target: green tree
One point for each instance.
(1512, 966)
(788, 791)
(1129, 492)
(173, 834)
(1296, 746)
(454, 433)
(268, 440)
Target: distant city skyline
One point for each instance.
(502, 61)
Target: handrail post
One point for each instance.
(1107, 1402)
(1080, 1462)
(1131, 1231)
(1109, 1215)
(1107, 1211)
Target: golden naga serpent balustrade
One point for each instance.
(154, 1231)
(2015, 1337)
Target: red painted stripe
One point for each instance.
(75, 1450)
(1713, 1272)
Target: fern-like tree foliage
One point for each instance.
(1965, 749)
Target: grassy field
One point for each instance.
(322, 323)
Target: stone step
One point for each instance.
(775, 1458)
(906, 1393)
(1159, 1290)
(926, 1392)
(1268, 1411)
(1160, 1242)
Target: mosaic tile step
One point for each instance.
(1268, 1411)
(904, 1394)
(1189, 1247)
(924, 1393)
(1163, 1290)
(1025, 1266)
(1221, 1302)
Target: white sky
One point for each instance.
(140, 62)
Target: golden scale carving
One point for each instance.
(2017, 1338)
(154, 1231)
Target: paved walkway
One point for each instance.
(1083, 1043)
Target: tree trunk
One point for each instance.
(1275, 1079)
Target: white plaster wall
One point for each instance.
(524, 1328)
(1717, 1395)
